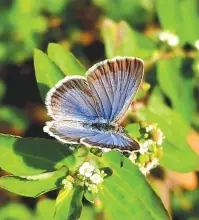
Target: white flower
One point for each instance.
(133, 157)
(86, 169)
(145, 170)
(170, 38)
(96, 178)
(145, 146)
(93, 188)
(68, 182)
(149, 128)
(197, 44)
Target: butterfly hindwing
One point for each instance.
(109, 140)
(81, 132)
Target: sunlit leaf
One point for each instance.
(31, 156)
(127, 195)
(25, 186)
(176, 86)
(69, 204)
(121, 40)
(47, 73)
(65, 60)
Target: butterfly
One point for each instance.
(86, 110)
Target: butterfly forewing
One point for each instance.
(71, 99)
(113, 84)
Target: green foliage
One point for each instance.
(15, 211)
(47, 73)
(121, 40)
(175, 148)
(128, 10)
(179, 20)
(166, 97)
(18, 37)
(176, 86)
(32, 156)
(69, 203)
(34, 186)
(65, 60)
(127, 190)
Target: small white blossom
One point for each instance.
(146, 169)
(169, 38)
(93, 188)
(197, 44)
(96, 178)
(149, 128)
(68, 182)
(133, 157)
(144, 147)
(86, 169)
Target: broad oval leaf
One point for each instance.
(69, 204)
(65, 60)
(47, 73)
(127, 194)
(31, 156)
(25, 186)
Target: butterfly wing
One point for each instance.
(114, 83)
(108, 140)
(71, 99)
(81, 132)
(68, 131)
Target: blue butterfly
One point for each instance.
(86, 110)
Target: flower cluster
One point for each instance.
(68, 182)
(150, 140)
(91, 176)
(169, 38)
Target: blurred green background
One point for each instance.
(165, 33)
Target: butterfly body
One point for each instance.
(87, 109)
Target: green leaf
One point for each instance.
(133, 130)
(47, 73)
(190, 23)
(175, 85)
(175, 129)
(25, 186)
(69, 204)
(45, 209)
(15, 211)
(121, 40)
(178, 19)
(31, 156)
(170, 21)
(127, 194)
(15, 117)
(88, 213)
(65, 60)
